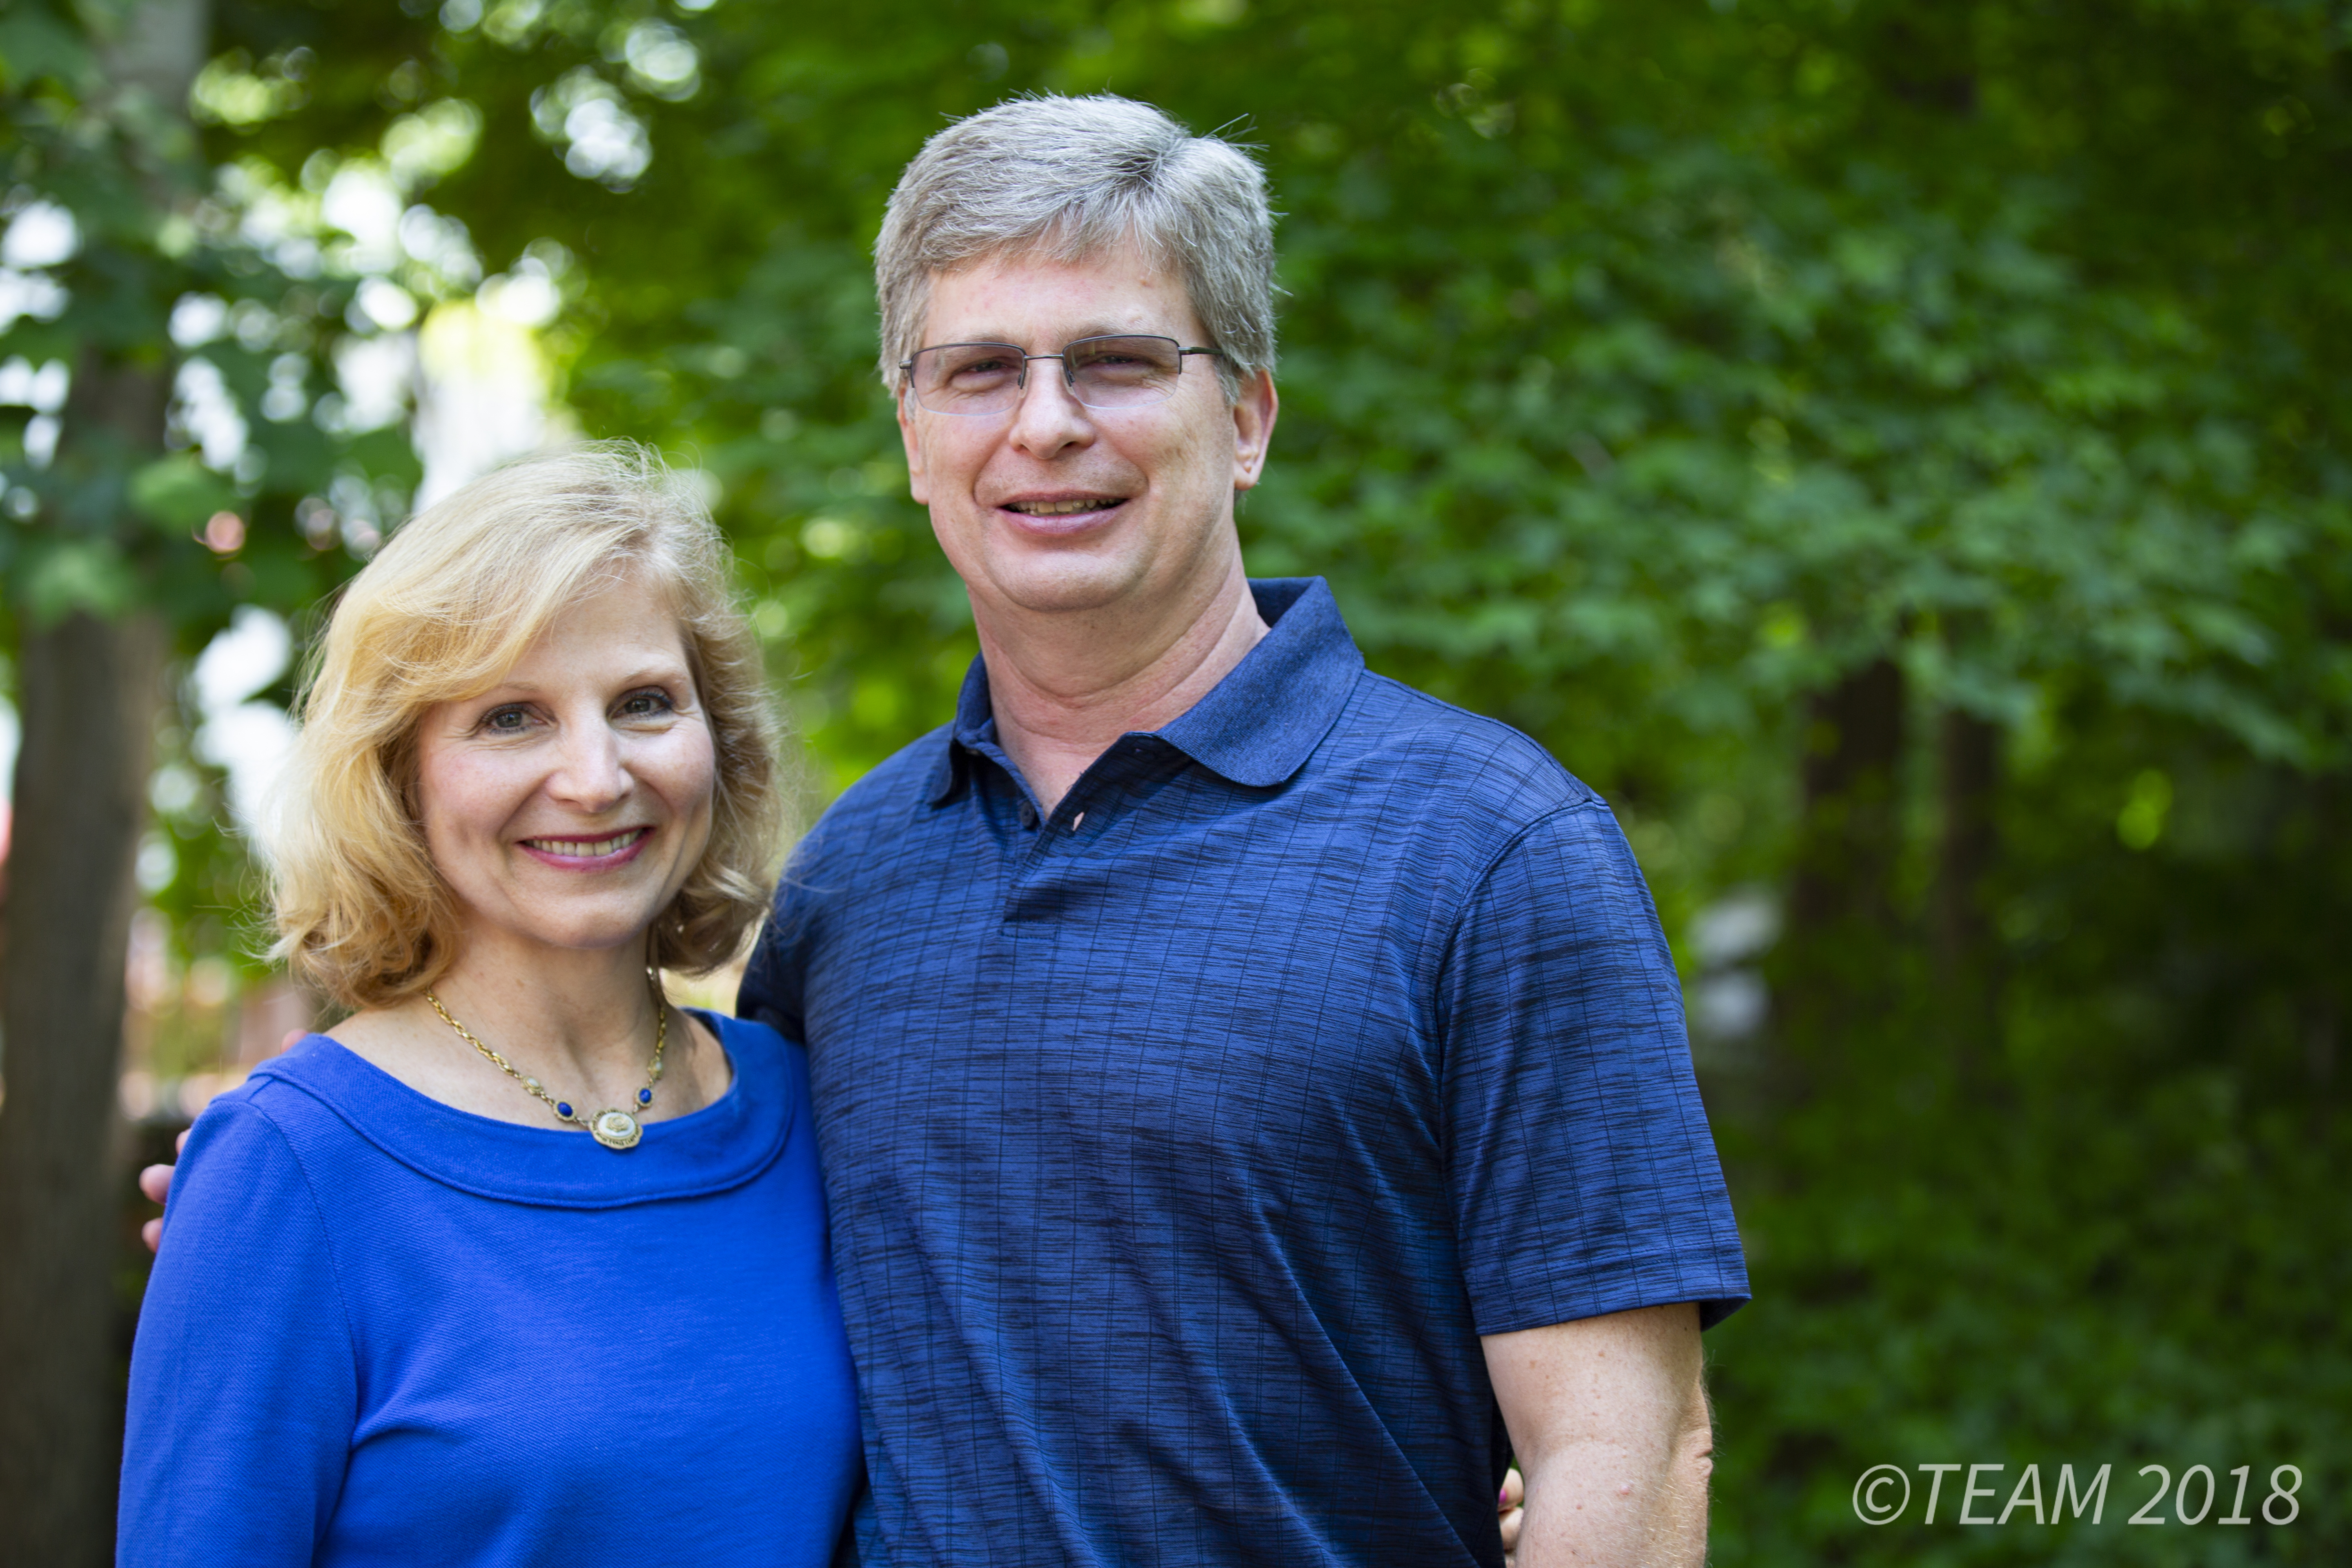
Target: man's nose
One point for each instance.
(1049, 416)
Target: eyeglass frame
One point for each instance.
(1020, 381)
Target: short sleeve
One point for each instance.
(1583, 1175)
(243, 1389)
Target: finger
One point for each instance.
(180, 1144)
(293, 1039)
(152, 1233)
(156, 1181)
(1515, 1490)
(1509, 1526)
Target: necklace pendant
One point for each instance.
(616, 1129)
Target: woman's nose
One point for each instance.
(590, 772)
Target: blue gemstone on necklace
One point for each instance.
(562, 1108)
(645, 1097)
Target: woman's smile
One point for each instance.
(589, 854)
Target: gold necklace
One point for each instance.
(611, 1127)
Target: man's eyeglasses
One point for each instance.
(1117, 372)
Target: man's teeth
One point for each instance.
(586, 851)
(1063, 507)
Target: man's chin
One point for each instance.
(1068, 584)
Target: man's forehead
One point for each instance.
(1018, 292)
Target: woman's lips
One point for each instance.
(588, 853)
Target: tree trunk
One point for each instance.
(2323, 1000)
(88, 689)
(1835, 970)
(1966, 971)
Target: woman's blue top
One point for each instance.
(383, 1331)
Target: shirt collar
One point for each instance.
(1255, 727)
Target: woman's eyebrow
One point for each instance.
(660, 668)
(677, 669)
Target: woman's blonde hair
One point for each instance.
(452, 602)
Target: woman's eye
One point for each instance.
(645, 704)
(506, 721)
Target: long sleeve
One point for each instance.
(242, 1388)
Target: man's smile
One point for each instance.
(1065, 506)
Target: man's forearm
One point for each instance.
(1609, 1422)
(1599, 1506)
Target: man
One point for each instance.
(1254, 1096)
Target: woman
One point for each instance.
(517, 1263)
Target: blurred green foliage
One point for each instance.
(1675, 381)
(108, 525)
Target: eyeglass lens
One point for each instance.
(1102, 373)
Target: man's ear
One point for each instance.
(1253, 415)
(917, 485)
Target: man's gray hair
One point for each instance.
(1068, 179)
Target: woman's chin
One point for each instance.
(619, 933)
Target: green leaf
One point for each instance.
(64, 575)
(180, 493)
(33, 44)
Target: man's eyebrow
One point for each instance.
(1095, 329)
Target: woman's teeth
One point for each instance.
(586, 849)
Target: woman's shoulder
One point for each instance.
(746, 1033)
(288, 1103)
(301, 1083)
(329, 1116)
(279, 1133)
(760, 1050)
(315, 1076)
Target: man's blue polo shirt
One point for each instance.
(1182, 1142)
